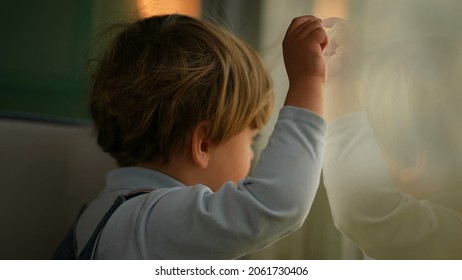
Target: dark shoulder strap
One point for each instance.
(68, 247)
(89, 249)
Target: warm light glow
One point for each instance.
(331, 8)
(149, 8)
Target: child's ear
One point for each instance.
(412, 172)
(200, 146)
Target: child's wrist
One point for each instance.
(307, 95)
(307, 81)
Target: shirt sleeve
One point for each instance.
(366, 206)
(195, 223)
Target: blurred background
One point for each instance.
(50, 165)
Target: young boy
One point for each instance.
(177, 101)
(392, 171)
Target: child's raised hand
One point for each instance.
(303, 45)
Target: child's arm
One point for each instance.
(302, 47)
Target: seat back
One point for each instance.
(49, 168)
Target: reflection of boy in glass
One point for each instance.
(392, 173)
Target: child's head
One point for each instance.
(162, 76)
(412, 94)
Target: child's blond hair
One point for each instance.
(162, 75)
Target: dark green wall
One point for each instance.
(43, 56)
(45, 47)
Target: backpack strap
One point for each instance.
(88, 251)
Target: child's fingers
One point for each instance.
(304, 29)
(321, 37)
(312, 29)
(296, 22)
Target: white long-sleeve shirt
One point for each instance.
(366, 206)
(175, 221)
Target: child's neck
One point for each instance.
(178, 168)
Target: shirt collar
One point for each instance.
(134, 178)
